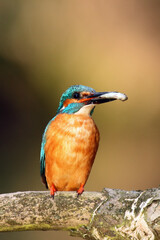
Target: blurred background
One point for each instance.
(46, 46)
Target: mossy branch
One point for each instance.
(110, 214)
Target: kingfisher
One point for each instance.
(71, 138)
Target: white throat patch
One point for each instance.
(85, 110)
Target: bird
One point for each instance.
(71, 139)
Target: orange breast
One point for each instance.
(70, 149)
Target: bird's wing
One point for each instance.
(42, 161)
(42, 155)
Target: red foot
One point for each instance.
(81, 189)
(52, 190)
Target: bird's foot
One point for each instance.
(80, 190)
(52, 191)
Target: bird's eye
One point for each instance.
(76, 95)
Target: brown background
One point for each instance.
(46, 46)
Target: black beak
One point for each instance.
(103, 97)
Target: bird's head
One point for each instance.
(82, 99)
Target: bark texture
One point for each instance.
(110, 214)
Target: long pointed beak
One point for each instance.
(102, 97)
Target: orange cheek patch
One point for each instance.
(72, 100)
(68, 101)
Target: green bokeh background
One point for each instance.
(46, 46)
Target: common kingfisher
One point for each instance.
(71, 138)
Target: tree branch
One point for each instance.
(111, 214)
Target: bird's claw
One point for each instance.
(53, 191)
(80, 190)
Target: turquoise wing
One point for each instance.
(42, 155)
(42, 161)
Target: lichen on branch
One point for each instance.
(110, 214)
